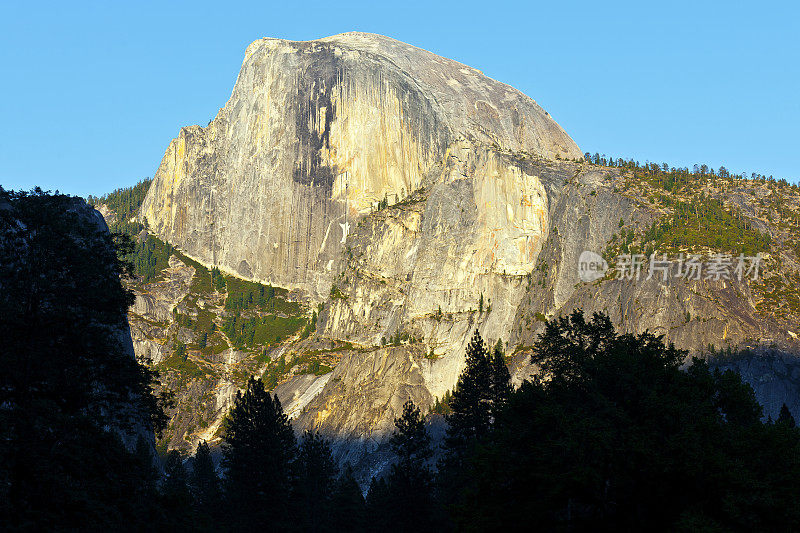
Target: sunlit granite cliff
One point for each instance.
(408, 200)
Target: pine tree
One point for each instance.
(380, 506)
(470, 417)
(347, 503)
(175, 491)
(442, 406)
(147, 474)
(471, 401)
(174, 486)
(785, 417)
(258, 452)
(410, 482)
(411, 442)
(204, 480)
(500, 382)
(69, 386)
(316, 475)
(144, 459)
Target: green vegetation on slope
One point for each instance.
(780, 295)
(256, 316)
(704, 222)
(148, 254)
(248, 332)
(243, 294)
(180, 363)
(695, 220)
(308, 363)
(125, 203)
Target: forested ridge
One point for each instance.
(695, 216)
(706, 211)
(148, 254)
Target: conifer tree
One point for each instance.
(500, 381)
(785, 417)
(175, 491)
(69, 388)
(471, 402)
(147, 477)
(204, 480)
(614, 437)
(347, 503)
(174, 474)
(480, 386)
(379, 505)
(147, 469)
(316, 475)
(410, 482)
(403, 500)
(258, 453)
(411, 442)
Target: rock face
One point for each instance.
(418, 200)
(773, 374)
(316, 133)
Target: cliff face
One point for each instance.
(313, 129)
(416, 200)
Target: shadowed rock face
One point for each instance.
(315, 128)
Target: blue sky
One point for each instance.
(92, 93)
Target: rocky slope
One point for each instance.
(407, 200)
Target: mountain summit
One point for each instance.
(395, 201)
(315, 128)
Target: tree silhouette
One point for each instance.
(500, 379)
(70, 386)
(616, 436)
(410, 482)
(411, 442)
(785, 417)
(258, 452)
(470, 404)
(316, 475)
(147, 472)
(347, 503)
(380, 505)
(175, 493)
(205, 484)
(482, 390)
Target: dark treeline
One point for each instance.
(613, 434)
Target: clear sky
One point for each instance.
(92, 93)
